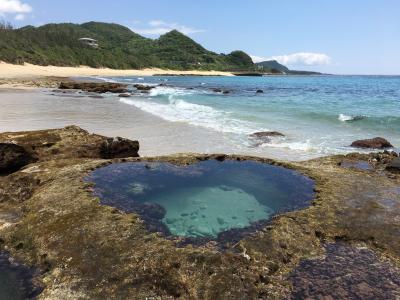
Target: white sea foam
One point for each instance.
(299, 146)
(167, 90)
(178, 110)
(346, 118)
(104, 79)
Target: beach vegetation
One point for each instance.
(118, 48)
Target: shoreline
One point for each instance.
(29, 71)
(33, 109)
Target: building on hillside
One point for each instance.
(89, 42)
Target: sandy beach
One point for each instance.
(11, 71)
(36, 109)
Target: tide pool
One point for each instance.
(204, 199)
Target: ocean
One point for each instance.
(319, 115)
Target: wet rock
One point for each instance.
(375, 143)
(264, 136)
(394, 165)
(345, 273)
(259, 91)
(119, 147)
(142, 87)
(95, 87)
(218, 90)
(360, 165)
(124, 95)
(13, 157)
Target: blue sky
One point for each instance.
(341, 37)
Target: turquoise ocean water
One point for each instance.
(320, 115)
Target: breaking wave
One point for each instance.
(177, 110)
(346, 118)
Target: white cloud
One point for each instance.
(19, 17)
(303, 58)
(158, 27)
(14, 7)
(257, 59)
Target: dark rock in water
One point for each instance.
(95, 87)
(142, 87)
(263, 134)
(375, 143)
(394, 165)
(249, 74)
(13, 157)
(124, 95)
(259, 91)
(119, 147)
(218, 90)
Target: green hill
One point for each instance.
(118, 48)
(273, 65)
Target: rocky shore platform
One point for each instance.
(345, 245)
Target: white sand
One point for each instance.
(28, 70)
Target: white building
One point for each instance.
(89, 42)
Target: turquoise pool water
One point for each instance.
(202, 200)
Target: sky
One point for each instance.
(338, 37)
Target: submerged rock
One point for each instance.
(95, 87)
(16, 280)
(394, 165)
(142, 87)
(262, 137)
(375, 143)
(218, 90)
(125, 95)
(263, 134)
(13, 157)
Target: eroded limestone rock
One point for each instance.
(95, 251)
(13, 157)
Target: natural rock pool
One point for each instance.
(207, 199)
(16, 280)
